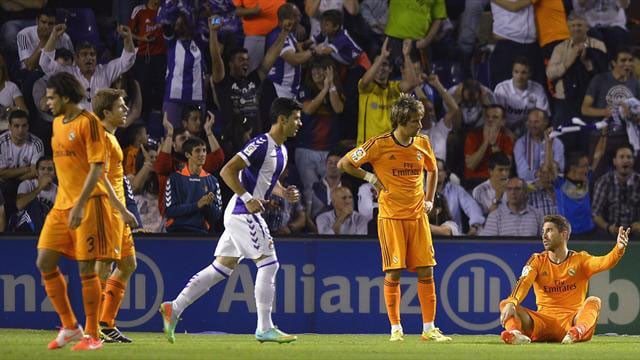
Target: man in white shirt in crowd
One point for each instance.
(490, 193)
(41, 188)
(31, 40)
(438, 131)
(529, 151)
(519, 94)
(342, 219)
(92, 76)
(458, 200)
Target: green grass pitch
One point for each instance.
(32, 344)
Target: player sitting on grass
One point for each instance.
(560, 278)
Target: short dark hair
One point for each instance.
(85, 45)
(522, 61)
(18, 114)
(191, 144)
(48, 11)
(64, 53)
(43, 158)
(177, 132)
(559, 221)
(621, 50)
(235, 51)
(498, 159)
(286, 11)
(573, 159)
(132, 132)
(444, 164)
(335, 152)
(188, 110)
(495, 106)
(283, 107)
(544, 113)
(623, 146)
(104, 100)
(333, 16)
(66, 85)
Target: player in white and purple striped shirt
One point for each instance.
(253, 175)
(286, 72)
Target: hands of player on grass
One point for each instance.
(129, 219)
(623, 237)
(508, 311)
(205, 200)
(292, 194)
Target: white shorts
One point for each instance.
(245, 236)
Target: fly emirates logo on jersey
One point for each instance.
(407, 169)
(559, 286)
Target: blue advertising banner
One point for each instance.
(323, 286)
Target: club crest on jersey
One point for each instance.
(571, 272)
(525, 271)
(358, 154)
(72, 136)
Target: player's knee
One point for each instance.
(103, 269)
(45, 264)
(87, 267)
(503, 303)
(594, 300)
(393, 274)
(229, 262)
(128, 265)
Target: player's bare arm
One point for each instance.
(345, 165)
(77, 213)
(230, 174)
(290, 193)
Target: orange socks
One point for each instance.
(91, 295)
(392, 299)
(512, 323)
(56, 289)
(588, 316)
(427, 297)
(112, 295)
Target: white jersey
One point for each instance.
(438, 135)
(516, 26)
(28, 41)
(46, 196)
(8, 94)
(13, 156)
(102, 78)
(517, 103)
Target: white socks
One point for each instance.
(265, 291)
(427, 326)
(396, 327)
(199, 284)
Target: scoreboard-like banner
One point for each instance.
(323, 286)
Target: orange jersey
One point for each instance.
(76, 144)
(561, 287)
(115, 170)
(401, 171)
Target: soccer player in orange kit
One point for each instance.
(400, 159)
(560, 279)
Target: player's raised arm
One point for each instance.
(595, 264)
(230, 174)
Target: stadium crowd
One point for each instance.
(532, 106)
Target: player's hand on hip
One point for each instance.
(508, 311)
(129, 219)
(254, 206)
(75, 216)
(623, 237)
(292, 194)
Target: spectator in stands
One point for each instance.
(236, 90)
(616, 195)
(518, 95)
(136, 136)
(551, 23)
(259, 17)
(468, 28)
(415, 20)
(186, 44)
(481, 143)
(36, 197)
(515, 217)
(3, 214)
(606, 92)
(368, 201)
(16, 15)
(63, 57)
(171, 156)
(193, 201)
(515, 31)
(322, 104)
(10, 95)
(284, 217)
(607, 20)
(542, 193)
(231, 33)
(377, 93)
(458, 200)
(374, 14)
(19, 153)
(286, 72)
(491, 193)
(530, 148)
(133, 96)
(151, 59)
(31, 40)
(572, 65)
(316, 9)
(344, 49)
(440, 222)
(91, 75)
(342, 219)
(438, 131)
(146, 189)
(191, 120)
(321, 192)
(471, 97)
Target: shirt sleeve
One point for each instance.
(430, 161)
(119, 66)
(39, 150)
(324, 225)
(363, 154)
(522, 165)
(491, 226)
(50, 66)
(558, 154)
(470, 207)
(25, 48)
(14, 91)
(95, 140)
(24, 187)
(254, 150)
(599, 201)
(595, 264)
(522, 286)
(174, 205)
(438, 10)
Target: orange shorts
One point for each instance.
(123, 236)
(92, 240)
(553, 327)
(405, 244)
